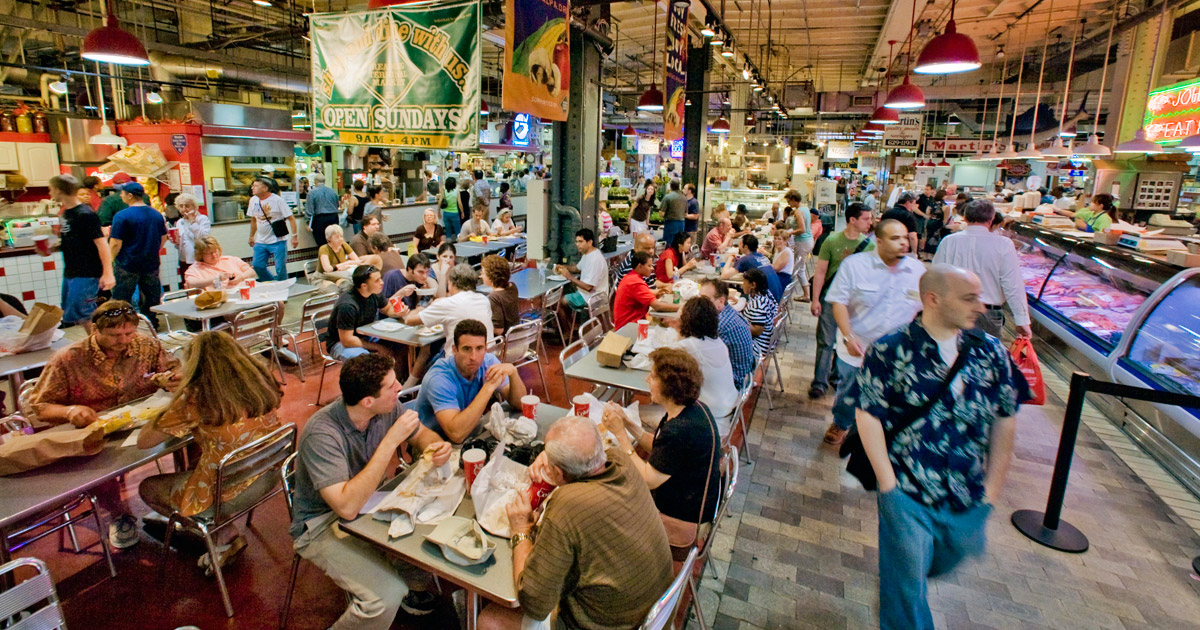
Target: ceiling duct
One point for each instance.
(167, 68)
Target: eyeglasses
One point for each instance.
(117, 312)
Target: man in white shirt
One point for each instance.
(266, 208)
(872, 294)
(461, 302)
(994, 259)
(592, 269)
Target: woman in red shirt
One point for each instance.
(670, 263)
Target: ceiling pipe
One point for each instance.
(164, 68)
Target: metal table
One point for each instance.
(532, 283)
(14, 365)
(407, 336)
(588, 369)
(186, 308)
(621, 250)
(493, 579)
(471, 249)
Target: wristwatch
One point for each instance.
(518, 538)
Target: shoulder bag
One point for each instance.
(683, 535)
(859, 464)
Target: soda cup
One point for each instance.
(713, 258)
(245, 293)
(583, 406)
(529, 405)
(538, 491)
(250, 282)
(485, 239)
(397, 303)
(473, 459)
(173, 234)
(643, 329)
(42, 243)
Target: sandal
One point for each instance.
(225, 555)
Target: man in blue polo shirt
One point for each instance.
(754, 259)
(459, 388)
(138, 234)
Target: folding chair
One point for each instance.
(259, 461)
(495, 344)
(172, 296)
(57, 518)
(663, 611)
(255, 330)
(523, 346)
(592, 331)
(306, 328)
(310, 271)
(740, 421)
(550, 314)
(33, 603)
(571, 355)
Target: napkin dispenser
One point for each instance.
(612, 348)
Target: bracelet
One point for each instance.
(518, 538)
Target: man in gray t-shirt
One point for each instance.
(674, 206)
(344, 454)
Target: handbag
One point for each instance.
(859, 464)
(279, 228)
(681, 534)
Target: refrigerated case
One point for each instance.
(757, 201)
(1127, 317)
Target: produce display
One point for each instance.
(1086, 299)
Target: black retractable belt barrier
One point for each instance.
(1047, 527)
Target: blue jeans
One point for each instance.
(917, 542)
(843, 410)
(670, 229)
(342, 353)
(79, 299)
(261, 252)
(147, 285)
(453, 221)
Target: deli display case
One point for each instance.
(1125, 316)
(757, 201)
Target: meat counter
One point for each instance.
(1125, 316)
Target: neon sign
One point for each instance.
(677, 149)
(1173, 112)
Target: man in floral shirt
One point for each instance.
(939, 476)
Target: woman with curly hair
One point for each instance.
(506, 307)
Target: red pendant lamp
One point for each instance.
(652, 99)
(948, 53)
(906, 95)
(112, 44)
(484, 110)
(720, 125)
(629, 132)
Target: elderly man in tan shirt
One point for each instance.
(602, 568)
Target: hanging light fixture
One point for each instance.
(1191, 144)
(629, 132)
(886, 115)
(106, 136)
(1140, 144)
(873, 129)
(1093, 147)
(718, 39)
(652, 99)
(727, 51)
(1031, 150)
(750, 121)
(58, 86)
(1010, 152)
(1069, 132)
(112, 44)
(153, 95)
(948, 53)
(725, 99)
(708, 31)
(906, 95)
(1062, 143)
(484, 110)
(720, 125)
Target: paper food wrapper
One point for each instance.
(508, 429)
(687, 289)
(35, 332)
(596, 415)
(498, 483)
(27, 452)
(427, 496)
(657, 337)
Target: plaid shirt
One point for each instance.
(735, 332)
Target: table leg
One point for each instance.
(472, 609)
(206, 325)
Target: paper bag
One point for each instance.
(27, 452)
(1027, 361)
(498, 483)
(36, 332)
(611, 349)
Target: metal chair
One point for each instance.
(592, 331)
(599, 307)
(146, 326)
(258, 461)
(495, 344)
(739, 416)
(663, 612)
(31, 604)
(57, 518)
(550, 314)
(172, 296)
(307, 326)
(256, 330)
(310, 271)
(571, 355)
(523, 346)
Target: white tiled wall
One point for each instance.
(34, 278)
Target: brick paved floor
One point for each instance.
(798, 549)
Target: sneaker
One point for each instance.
(287, 356)
(123, 532)
(815, 392)
(419, 603)
(835, 435)
(226, 554)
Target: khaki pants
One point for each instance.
(375, 584)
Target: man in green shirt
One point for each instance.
(112, 204)
(674, 206)
(834, 250)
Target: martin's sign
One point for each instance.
(954, 145)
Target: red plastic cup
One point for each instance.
(397, 304)
(643, 329)
(250, 282)
(42, 243)
(473, 460)
(538, 491)
(583, 406)
(485, 239)
(529, 405)
(173, 234)
(245, 291)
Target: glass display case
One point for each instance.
(1038, 252)
(757, 201)
(1166, 347)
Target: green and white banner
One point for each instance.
(404, 76)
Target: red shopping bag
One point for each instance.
(1026, 359)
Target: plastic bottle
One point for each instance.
(217, 283)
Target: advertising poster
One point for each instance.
(676, 80)
(404, 76)
(906, 135)
(537, 58)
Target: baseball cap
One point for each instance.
(132, 188)
(121, 178)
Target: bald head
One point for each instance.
(574, 446)
(950, 297)
(724, 224)
(643, 242)
(943, 279)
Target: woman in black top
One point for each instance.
(685, 448)
(644, 206)
(360, 206)
(430, 233)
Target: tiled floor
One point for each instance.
(799, 550)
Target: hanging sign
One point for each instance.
(521, 130)
(675, 84)
(677, 149)
(905, 135)
(954, 145)
(405, 76)
(839, 151)
(537, 58)
(648, 146)
(1173, 112)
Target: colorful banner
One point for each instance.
(1173, 112)
(675, 83)
(404, 76)
(537, 58)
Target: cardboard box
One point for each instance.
(1183, 259)
(612, 348)
(1105, 238)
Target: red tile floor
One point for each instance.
(139, 598)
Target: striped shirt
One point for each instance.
(602, 567)
(627, 266)
(735, 332)
(761, 310)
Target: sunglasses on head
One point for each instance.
(116, 312)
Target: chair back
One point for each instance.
(146, 326)
(19, 605)
(25, 396)
(592, 331)
(256, 325)
(598, 308)
(408, 397)
(310, 271)
(569, 356)
(287, 475)
(521, 250)
(663, 611)
(263, 456)
(733, 467)
(552, 298)
(495, 344)
(314, 304)
(519, 340)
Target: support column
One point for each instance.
(576, 182)
(1136, 55)
(695, 122)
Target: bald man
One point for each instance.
(580, 546)
(940, 447)
(717, 238)
(642, 242)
